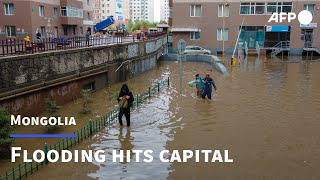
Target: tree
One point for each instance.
(5, 130)
(86, 101)
(52, 109)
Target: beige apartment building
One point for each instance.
(215, 24)
(53, 18)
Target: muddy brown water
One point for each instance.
(265, 113)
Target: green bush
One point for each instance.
(86, 101)
(5, 130)
(136, 25)
(52, 109)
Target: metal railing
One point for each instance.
(279, 47)
(11, 47)
(27, 168)
(258, 48)
(246, 49)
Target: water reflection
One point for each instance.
(266, 113)
(125, 143)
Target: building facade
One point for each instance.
(52, 18)
(215, 24)
(164, 10)
(119, 9)
(142, 10)
(97, 11)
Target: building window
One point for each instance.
(278, 7)
(222, 34)
(88, 2)
(81, 30)
(195, 10)
(194, 35)
(71, 12)
(55, 12)
(9, 9)
(41, 11)
(223, 10)
(310, 8)
(43, 31)
(88, 16)
(10, 31)
(252, 8)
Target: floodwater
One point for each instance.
(266, 113)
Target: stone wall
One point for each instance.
(25, 81)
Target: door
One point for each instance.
(251, 39)
(308, 38)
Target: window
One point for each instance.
(309, 7)
(10, 31)
(43, 30)
(88, 2)
(9, 9)
(222, 34)
(55, 12)
(41, 11)
(278, 7)
(194, 35)
(252, 8)
(81, 30)
(223, 10)
(71, 12)
(195, 10)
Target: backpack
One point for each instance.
(123, 103)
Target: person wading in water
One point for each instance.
(125, 100)
(208, 82)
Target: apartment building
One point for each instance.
(142, 10)
(119, 9)
(164, 10)
(215, 24)
(52, 18)
(97, 11)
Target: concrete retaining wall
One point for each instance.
(211, 59)
(27, 80)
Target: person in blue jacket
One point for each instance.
(208, 82)
(199, 85)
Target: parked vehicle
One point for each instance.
(152, 30)
(196, 50)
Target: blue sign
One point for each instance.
(21, 33)
(277, 29)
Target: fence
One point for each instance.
(11, 47)
(24, 170)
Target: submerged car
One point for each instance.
(196, 50)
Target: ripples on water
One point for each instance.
(265, 114)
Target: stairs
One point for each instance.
(252, 52)
(280, 47)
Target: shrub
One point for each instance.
(5, 130)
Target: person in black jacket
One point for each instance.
(126, 99)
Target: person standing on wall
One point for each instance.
(125, 100)
(87, 38)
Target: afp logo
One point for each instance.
(304, 17)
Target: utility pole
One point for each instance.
(223, 26)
